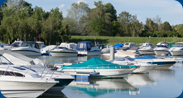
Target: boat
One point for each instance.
(38, 66)
(161, 49)
(143, 66)
(98, 87)
(160, 62)
(28, 48)
(17, 81)
(65, 50)
(118, 46)
(86, 48)
(146, 49)
(46, 50)
(177, 50)
(98, 68)
(128, 46)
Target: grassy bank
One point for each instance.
(113, 40)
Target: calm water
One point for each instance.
(166, 83)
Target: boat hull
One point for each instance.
(27, 53)
(176, 53)
(160, 52)
(89, 53)
(23, 89)
(143, 69)
(64, 54)
(143, 52)
(103, 73)
(159, 63)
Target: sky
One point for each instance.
(167, 10)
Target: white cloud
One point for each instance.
(61, 6)
(82, 1)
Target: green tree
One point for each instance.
(101, 20)
(65, 32)
(77, 18)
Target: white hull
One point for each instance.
(64, 54)
(89, 53)
(102, 72)
(23, 89)
(27, 53)
(146, 52)
(143, 69)
(160, 63)
(160, 52)
(165, 66)
(177, 53)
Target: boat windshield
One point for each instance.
(178, 45)
(161, 46)
(4, 61)
(62, 48)
(15, 44)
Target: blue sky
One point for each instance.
(167, 10)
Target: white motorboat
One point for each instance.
(65, 50)
(143, 66)
(160, 62)
(46, 50)
(127, 46)
(16, 81)
(38, 66)
(28, 48)
(161, 48)
(146, 48)
(85, 48)
(99, 68)
(177, 50)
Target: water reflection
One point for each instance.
(53, 94)
(140, 80)
(162, 74)
(96, 87)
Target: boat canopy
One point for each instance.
(117, 46)
(84, 46)
(146, 57)
(97, 63)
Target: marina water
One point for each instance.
(158, 83)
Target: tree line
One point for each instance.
(20, 21)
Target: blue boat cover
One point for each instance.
(146, 57)
(118, 46)
(97, 63)
(84, 46)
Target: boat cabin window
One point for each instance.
(81, 45)
(9, 73)
(4, 61)
(126, 43)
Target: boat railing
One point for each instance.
(12, 70)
